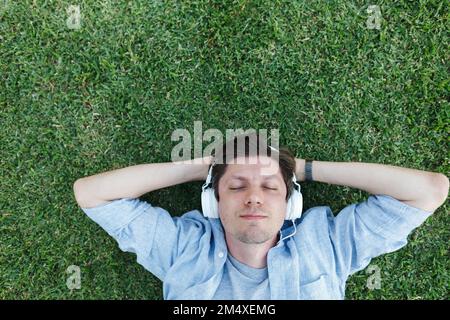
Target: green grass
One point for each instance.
(79, 102)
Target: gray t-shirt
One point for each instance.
(241, 282)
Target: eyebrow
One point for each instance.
(274, 176)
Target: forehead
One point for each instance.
(252, 170)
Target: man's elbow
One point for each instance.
(78, 191)
(84, 196)
(440, 184)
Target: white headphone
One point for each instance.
(210, 205)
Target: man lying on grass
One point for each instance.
(252, 241)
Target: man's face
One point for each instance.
(252, 203)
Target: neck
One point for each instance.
(252, 255)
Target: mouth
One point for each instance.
(253, 217)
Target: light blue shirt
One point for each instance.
(189, 253)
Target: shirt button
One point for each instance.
(221, 254)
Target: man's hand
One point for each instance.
(300, 169)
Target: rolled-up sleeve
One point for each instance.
(138, 227)
(365, 230)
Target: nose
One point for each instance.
(254, 197)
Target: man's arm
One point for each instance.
(134, 181)
(421, 189)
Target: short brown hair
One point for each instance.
(286, 160)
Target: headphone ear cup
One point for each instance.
(209, 204)
(294, 206)
(289, 208)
